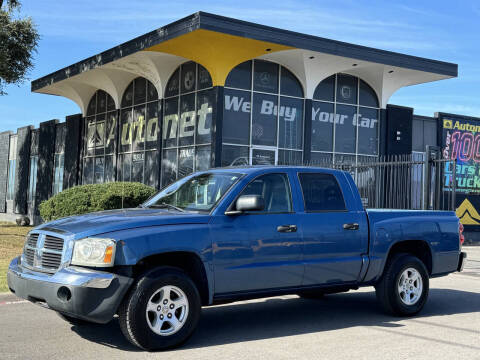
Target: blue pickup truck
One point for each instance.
(228, 234)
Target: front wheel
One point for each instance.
(404, 286)
(161, 311)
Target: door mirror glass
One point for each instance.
(250, 203)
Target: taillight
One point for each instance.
(460, 233)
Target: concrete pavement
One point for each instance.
(341, 326)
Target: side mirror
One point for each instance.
(247, 203)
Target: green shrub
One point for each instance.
(89, 198)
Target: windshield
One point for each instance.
(196, 193)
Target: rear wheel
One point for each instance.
(161, 311)
(404, 286)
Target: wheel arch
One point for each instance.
(419, 248)
(188, 261)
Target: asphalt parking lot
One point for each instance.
(339, 326)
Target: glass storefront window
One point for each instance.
(236, 117)
(268, 117)
(345, 119)
(139, 133)
(235, 155)
(100, 134)
(240, 77)
(265, 76)
(264, 120)
(323, 117)
(289, 157)
(326, 90)
(187, 122)
(367, 123)
(345, 130)
(290, 123)
(347, 89)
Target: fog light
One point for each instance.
(64, 294)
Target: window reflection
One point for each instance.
(187, 122)
(345, 121)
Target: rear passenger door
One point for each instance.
(335, 237)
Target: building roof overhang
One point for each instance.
(220, 43)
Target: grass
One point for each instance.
(12, 238)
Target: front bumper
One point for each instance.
(79, 292)
(461, 261)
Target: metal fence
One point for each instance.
(415, 181)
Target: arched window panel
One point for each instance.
(92, 105)
(139, 133)
(323, 116)
(347, 89)
(127, 98)
(345, 122)
(290, 123)
(262, 119)
(325, 90)
(100, 103)
(139, 91)
(187, 122)
(100, 134)
(188, 79)
(204, 80)
(173, 84)
(289, 84)
(367, 123)
(367, 97)
(345, 130)
(240, 77)
(265, 76)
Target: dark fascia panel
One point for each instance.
(222, 24)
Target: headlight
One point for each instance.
(96, 252)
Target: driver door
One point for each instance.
(255, 250)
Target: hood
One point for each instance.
(115, 220)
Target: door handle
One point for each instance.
(287, 228)
(352, 226)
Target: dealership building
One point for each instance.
(209, 91)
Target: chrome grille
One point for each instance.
(51, 261)
(53, 243)
(43, 252)
(29, 256)
(32, 240)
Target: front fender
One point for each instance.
(136, 244)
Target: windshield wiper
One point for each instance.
(168, 206)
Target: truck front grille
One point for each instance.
(53, 243)
(43, 252)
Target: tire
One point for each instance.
(312, 294)
(73, 320)
(404, 286)
(146, 317)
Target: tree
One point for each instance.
(18, 41)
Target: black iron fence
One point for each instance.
(415, 181)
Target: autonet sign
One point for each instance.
(461, 141)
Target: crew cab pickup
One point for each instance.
(228, 234)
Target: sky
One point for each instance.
(442, 30)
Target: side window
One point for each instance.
(275, 190)
(321, 192)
